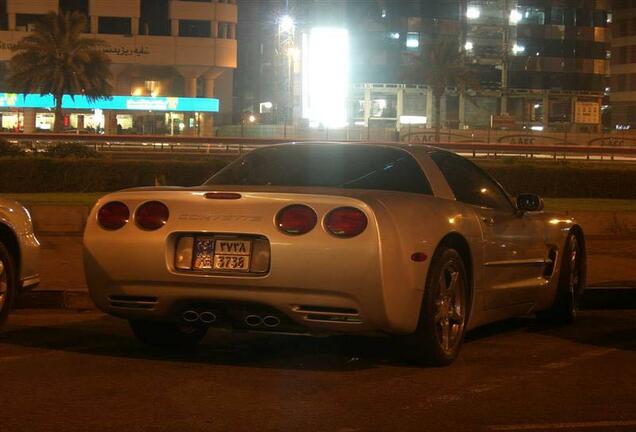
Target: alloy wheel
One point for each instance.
(449, 308)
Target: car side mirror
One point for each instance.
(528, 202)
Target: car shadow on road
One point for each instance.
(106, 336)
(607, 329)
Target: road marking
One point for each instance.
(499, 382)
(576, 425)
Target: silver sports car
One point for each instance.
(19, 254)
(324, 238)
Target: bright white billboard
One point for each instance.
(325, 76)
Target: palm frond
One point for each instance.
(57, 59)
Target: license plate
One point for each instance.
(231, 262)
(233, 247)
(222, 254)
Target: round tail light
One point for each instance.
(296, 219)
(152, 215)
(113, 215)
(346, 222)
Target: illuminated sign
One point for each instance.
(325, 76)
(116, 103)
(412, 119)
(587, 112)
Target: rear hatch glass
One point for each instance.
(327, 165)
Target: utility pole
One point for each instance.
(505, 59)
(286, 53)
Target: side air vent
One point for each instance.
(326, 310)
(329, 314)
(133, 302)
(549, 266)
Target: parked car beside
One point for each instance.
(19, 254)
(323, 238)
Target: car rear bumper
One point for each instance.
(311, 310)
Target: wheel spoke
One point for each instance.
(439, 316)
(442, 285)
(446, 327)
(452, 287)
(455, 317)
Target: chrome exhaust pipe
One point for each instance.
(190, 316)
(253, 320)
(271, 321)
(207, 317)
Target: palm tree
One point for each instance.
(55, 59)
(441, 65)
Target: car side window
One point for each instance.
(469, 183)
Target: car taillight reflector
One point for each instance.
(113, 215)
(296, 219)
(152, 215)
(346, 222)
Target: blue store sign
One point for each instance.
(116, 103)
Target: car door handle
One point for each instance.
(488, 220)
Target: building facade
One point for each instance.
(623, 67)
(541, 62)
(159, 49)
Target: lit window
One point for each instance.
(413, 40)
(515, 16)
(473, 12)
(518, 49)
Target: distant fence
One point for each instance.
(133, 145)
(414, 134)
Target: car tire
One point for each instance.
(167, 334)
(8, 283)
(570, 285)
(442, 322)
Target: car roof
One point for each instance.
(400, 145)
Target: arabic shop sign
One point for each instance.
(116, 103)
(126, 52)
(120, 51)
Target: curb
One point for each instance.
(593, 298)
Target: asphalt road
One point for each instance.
(64, 370)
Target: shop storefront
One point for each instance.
(116, 115)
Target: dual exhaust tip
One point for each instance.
(191, 316)
(208, 317)
(270, 321)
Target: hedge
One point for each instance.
(566, 180)
(20, 175)
(548, 179)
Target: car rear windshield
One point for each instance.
(351, 167)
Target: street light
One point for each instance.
(286, 24)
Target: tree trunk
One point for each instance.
(438, 114)
(58, 126)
